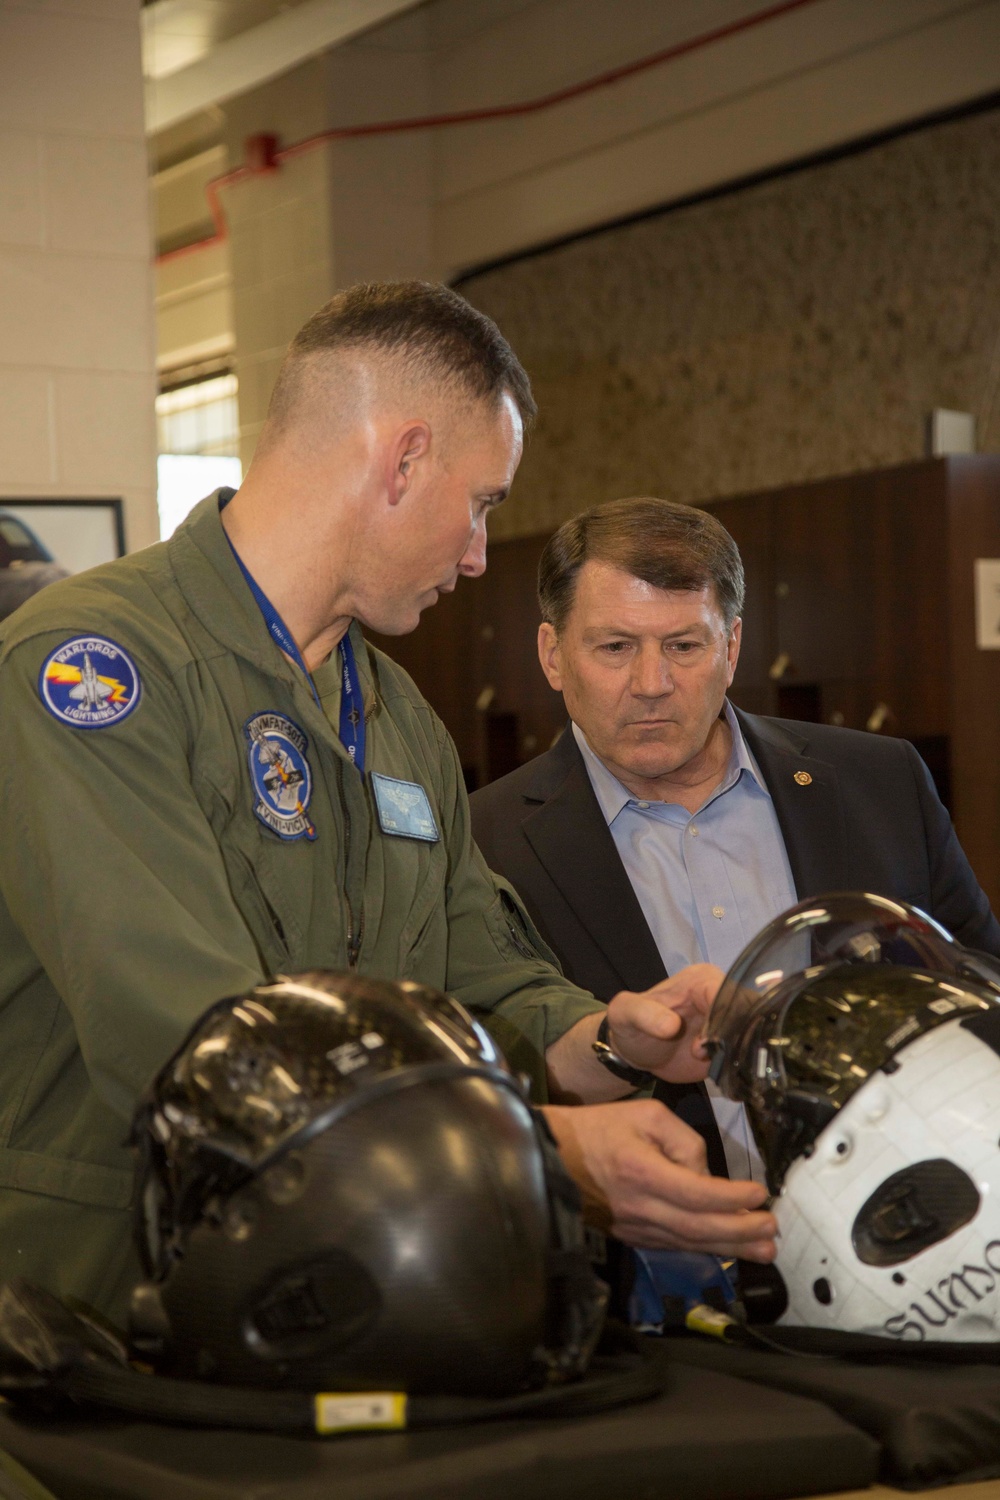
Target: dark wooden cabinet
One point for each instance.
(862, 587)
(860, 611)
(759, 645)
(845, 585)
(474, 657)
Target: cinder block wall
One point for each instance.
(800, 328)
(76, 312)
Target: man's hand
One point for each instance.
(658, 1031)
(642, 1175)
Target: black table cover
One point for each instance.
(935, 1423)
(709, 1437)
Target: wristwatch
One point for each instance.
(605, 1053)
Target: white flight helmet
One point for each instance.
(865, 1043)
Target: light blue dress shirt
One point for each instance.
(707, 883)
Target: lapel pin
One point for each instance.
(803, 778)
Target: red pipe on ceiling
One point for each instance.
(270, 159)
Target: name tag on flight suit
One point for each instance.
(403, 809)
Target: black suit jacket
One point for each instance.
(868, 820)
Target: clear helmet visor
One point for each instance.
(824, 997)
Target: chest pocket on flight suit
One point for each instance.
(422, 869)
(261, 916)
(241, 846)
(411, 875)
(512, 930)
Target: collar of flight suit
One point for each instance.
(210, 579)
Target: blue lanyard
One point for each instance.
(352, 705)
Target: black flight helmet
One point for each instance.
(341, 1187)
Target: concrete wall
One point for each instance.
(76, 324)
(800, 328)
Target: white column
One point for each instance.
(345, 211)
(76, 307)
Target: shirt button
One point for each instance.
(643, 805)
(719, 911)
(693, 831)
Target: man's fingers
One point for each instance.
(642, 1174)
(683, 1067)
(668, 1138)
(725, 1237)
(662, 1196)
(696, 986)
(659, 1028)
(689, 1190)
(645, 1014)
(674, 1141)
(762, 1251)
(703, 1194)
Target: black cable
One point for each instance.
(615, 1380)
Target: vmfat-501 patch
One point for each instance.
(281, 776)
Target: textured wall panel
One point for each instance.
(799, 328)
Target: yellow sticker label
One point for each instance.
(359, 1411)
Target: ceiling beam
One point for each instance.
(251, 58)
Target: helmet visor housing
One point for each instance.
(276, 1068)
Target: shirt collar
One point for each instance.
(612, 796)
(741, 758)
(610, 793)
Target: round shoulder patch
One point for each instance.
(89, 682)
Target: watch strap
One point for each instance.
(639, 1078)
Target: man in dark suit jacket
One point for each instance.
(630, 593)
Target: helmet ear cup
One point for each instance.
(912, 1210)
(311, 1308)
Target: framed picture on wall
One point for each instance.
(44, 540)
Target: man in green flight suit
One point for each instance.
(208, 778)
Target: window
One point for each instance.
(198, 432)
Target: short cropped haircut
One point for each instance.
(430, 328)
(673, 547)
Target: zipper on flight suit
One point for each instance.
(354, 946)
(276, 922)
(353, 939)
